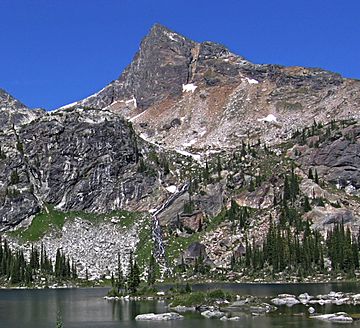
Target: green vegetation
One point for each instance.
(50, 218)
(202, 298)
(175, 245)
(14, 178)
(291, 247)
(145, 245)
(20, 147)
(59, 321)
(16, 270)
(122, 285)
(2, 154)
(41, 224)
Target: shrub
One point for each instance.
(192, 299)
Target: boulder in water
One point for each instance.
(159, 317)
(340, 317)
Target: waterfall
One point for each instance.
(159, 249)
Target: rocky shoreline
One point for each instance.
(240, 306)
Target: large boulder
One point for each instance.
(213, 314)
(159, 317)
(285, 299)
(340, 317)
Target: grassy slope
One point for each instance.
(53, 219)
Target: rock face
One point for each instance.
(338, 159)
(158, 70)
(8, 101)
(79, 161)
(15, 113)
(194, 252)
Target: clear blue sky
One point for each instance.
(54, 52)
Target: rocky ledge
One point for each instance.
(337, 298)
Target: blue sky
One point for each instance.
(54, 52)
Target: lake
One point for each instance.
(86, 308)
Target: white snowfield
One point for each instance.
(251, 81)
(69, 105)
(196, 157)
(171, 189)
(270, 118)
(132, 100)
(189, 87)
(190, 143)
(173, 36)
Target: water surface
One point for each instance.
(86, 308)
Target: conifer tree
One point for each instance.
(151, 278)
(286, 192)
(251, 186)
(218, 167)
(133, 278)
(120, 281)
(306, 206)
(310, 174)
(316, 177)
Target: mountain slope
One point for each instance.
(184, 94)
(228, 133)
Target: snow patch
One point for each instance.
(94, 121)
(172, 189)
(270, 118)
(189, 87)
(251, 81)
(190, 143)
(132, 100)
(68, 105)
(136, 116)
(62, 202)
(173, 36)
(94, 95)
(186, 153)
(147, 139)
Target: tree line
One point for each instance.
(15, 268)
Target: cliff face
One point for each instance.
(77, 160)
(157, 71)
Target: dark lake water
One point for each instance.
(86, 308)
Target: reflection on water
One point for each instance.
(86, 308)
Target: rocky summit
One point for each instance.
(210, 97)
(193, 148)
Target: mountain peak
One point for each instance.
(158, 70)
(157, 27)
(159, 31)
(8, 101)
(160, 36)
